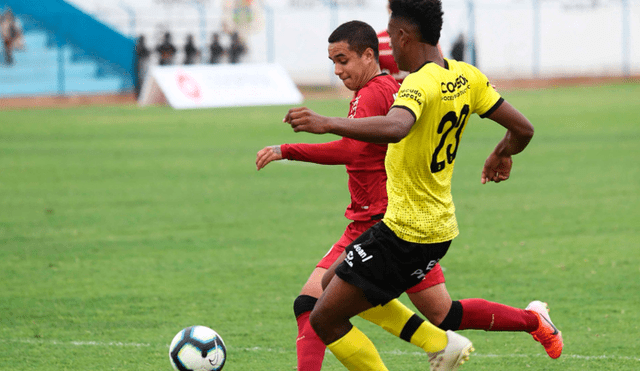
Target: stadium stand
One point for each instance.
(66, 52)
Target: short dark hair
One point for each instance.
(359, 35)
(426, 15)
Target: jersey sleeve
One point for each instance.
(486, 97)
(411, 96)
(339, 152)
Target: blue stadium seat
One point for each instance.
(44, 68)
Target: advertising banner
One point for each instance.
(224, 85)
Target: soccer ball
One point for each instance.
(197, 348)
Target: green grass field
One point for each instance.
(120, 226)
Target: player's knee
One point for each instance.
(437, 315)
(327, 325)
(303, 304)
(322, 321)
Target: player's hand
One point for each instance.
(496, 168)
(268, 154)
(304, 119)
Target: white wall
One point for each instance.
(573, 41)
(575, 37)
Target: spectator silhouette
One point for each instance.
(457, 50)
(191, 53)
(141, 63)
(166, 50)
(237, 48)
(215, 49)
(11, 35)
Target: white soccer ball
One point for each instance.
(197, 348)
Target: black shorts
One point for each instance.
(384, 266)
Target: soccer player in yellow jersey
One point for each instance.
(424, 127)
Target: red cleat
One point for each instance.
(547, 333)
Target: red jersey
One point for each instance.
(387, 63)
(364, 161)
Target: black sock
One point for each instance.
(454, 317)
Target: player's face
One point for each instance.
(351, 68)
(394, 31)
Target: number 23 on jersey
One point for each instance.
(450, 122)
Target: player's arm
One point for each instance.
(338, 152)
(379, 129)
(498, 165)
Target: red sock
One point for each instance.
(480, 314)
(308, 345)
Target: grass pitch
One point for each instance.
(121, 226)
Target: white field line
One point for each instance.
(480, 355)
(270, 350)
(77, 343)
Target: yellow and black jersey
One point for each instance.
(420, 166)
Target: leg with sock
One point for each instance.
(446, 350)
(468, 314)
(330, 319)
(309, 347)
(399, 320)
(356, 352)
(480, 314)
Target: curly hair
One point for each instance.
(359, 35)
(426, 15)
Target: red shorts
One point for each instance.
(353, 231)
(434, 277)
